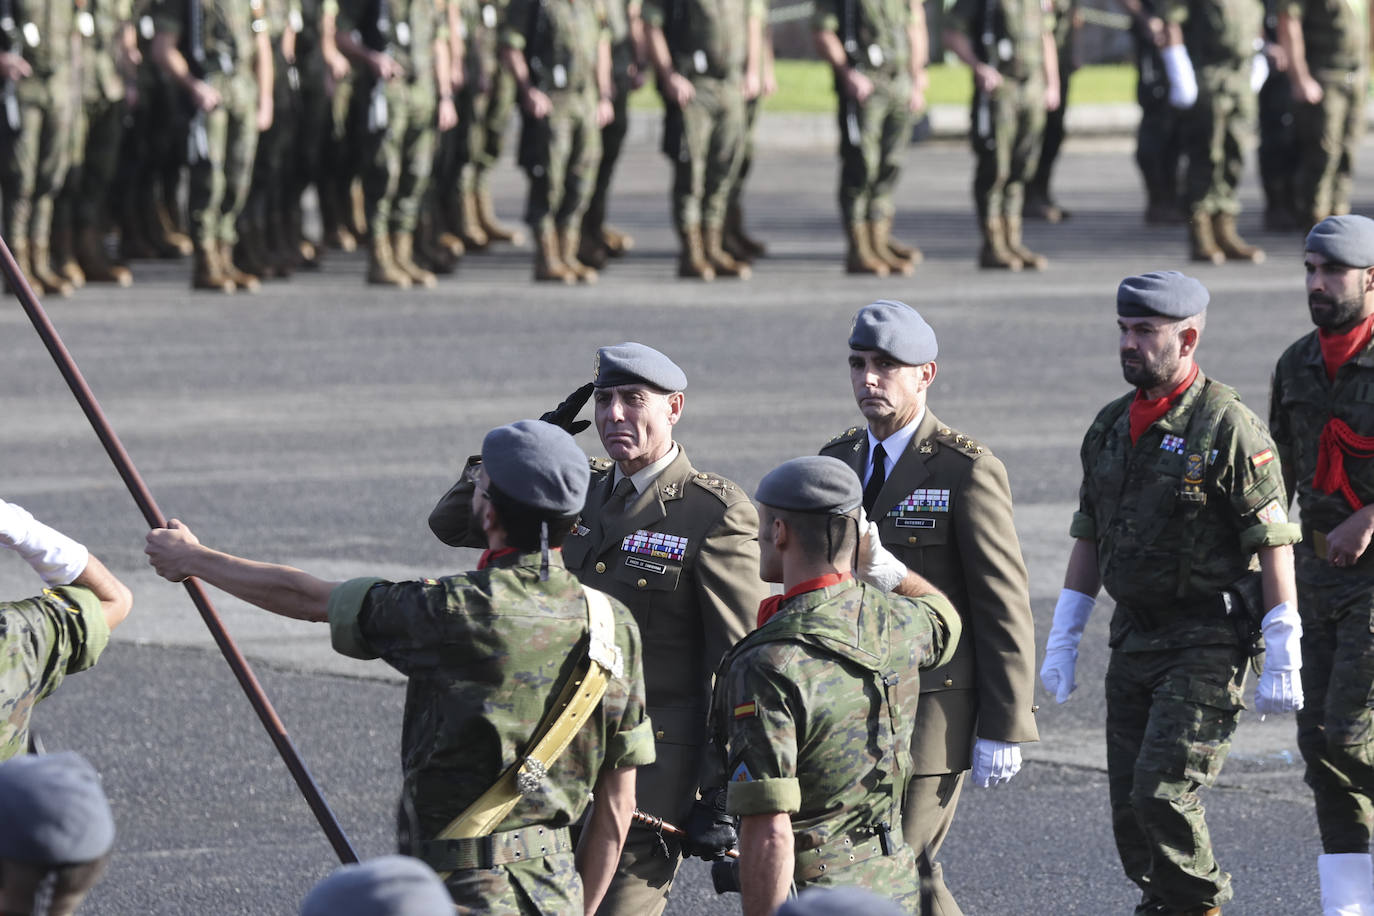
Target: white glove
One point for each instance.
(1280, 686)
(55, 557)
(1182, 80)
(995, 762)
(877, 566)
(1061, 649)
(1259, 71)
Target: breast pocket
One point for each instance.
(920, 540)
(648, 574)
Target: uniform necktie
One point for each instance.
(621, 496)
(877, 478)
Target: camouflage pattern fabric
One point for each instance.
(485, 653)
(807, 728)
(706, 163)
(1329, 134)
(98, 128)
(42, 640)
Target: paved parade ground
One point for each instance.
(316, 423)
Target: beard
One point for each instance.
(1147, 373)
(1332, 314)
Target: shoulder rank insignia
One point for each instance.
(1261, 458)
(965, 444)
(601, 464)
(844, 435)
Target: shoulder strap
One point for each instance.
(580, 697)
(1198, 464)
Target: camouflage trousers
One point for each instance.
(1336, 723)
(219, 181)
(486, 130)
(1158, 145)
(1328, 136)
(36, 161)
(560, 154)
(97, 131)
(1170, 718)
(746, 155)
(707, 156)
(1216, 131)
(1006, 130)
(874, 135)
(397, 160)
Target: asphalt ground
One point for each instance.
(316, 422)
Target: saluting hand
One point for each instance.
(169, 550)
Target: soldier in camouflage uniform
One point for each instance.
(1181, 489)
(62, 631)
(229, 89)
(1323, 424)
(521, 621)
(36, 72)
(1159, 136)
(1016, 81)
(878, 52)
(812, 711)
(1327, 43)
(560, 57)
(402, 94)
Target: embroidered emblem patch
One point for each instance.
(1261, 458)
(745, 710)
(1272, 513)
(923, 501)
(741, 774)
(580, 530)
(1172, 444)
(1192, 470)
(655, 544)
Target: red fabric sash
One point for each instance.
(489, 555)
(770, 605)
(1144, 412)
(1338, 440)
(1337, 349)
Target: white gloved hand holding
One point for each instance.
(995, 762)
(1280, 685)
(1071, 614)
(55, 557)
(1182, 79)
(877, 566)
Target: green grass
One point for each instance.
(805, 86)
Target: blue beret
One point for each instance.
(636, 364)
(1162, 294)
(839, 901)
(1347, 240)
(895, 328)
(816, 483)
(53, 811)
(387, 886)
(538, 465)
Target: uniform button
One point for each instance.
(1035, 707)
(601, 567)
(949, 682)
(659, 734)
(642, 582)
(912, 540)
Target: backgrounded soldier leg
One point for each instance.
(859, 154)
(723, 149)
(579, 178)
(415, 126)
(894, 134)
(1026, 132)
(991, 172)
(1354, 132)
(240, 150)
(599, 242)
(1279, 154)
(1322, 127)
(1203, 127)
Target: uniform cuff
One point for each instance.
(634, 748)
(764, 796)
(513, 39)
(1252, 539)
(1082, 527)
(96, 627)
(345, 604)
(826, 23)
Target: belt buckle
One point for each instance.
(486, 851)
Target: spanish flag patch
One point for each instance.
(1261, 458)
(745, 710)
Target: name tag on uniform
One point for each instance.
(655, 544)
(907, 522)
(649, 565)
(929, 500)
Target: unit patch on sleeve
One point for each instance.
(922, 501)
(1272, 513)
(1261, 458)
(655, 544)
(741, 774)
(745, 710)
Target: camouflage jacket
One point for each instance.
(486, 653)
(1018, 32)
(873, 32)
(42, 640)
(41, 31)
(1175, 521)
(1217, 32)
(226, 34)
(706, 37)
(99, 23)
(1335, 33)
(813, 714)
(407, 32)
(561, 40)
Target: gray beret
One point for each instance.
(388, 886)
(816, 483)
(53, 811)
(636, 364)
(1161, 294)
(895, 328)
(1347, 240)
(840, 901)
(538, 465)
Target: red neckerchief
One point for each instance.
(489, 555)
(1145, 411)
(769, 606)
(1338, 348)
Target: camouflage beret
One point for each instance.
(1161, 294)
(636, 364)
(816, 483)
(538, 465)
(1347, 240)
(839, 901)
(387, 886)
(896, 329)
(53, 811)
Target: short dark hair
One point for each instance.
(832, 538)
(66, 885)
(521, 522)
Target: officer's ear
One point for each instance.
(1368, 280)
(1188, 338)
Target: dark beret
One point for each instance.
(839, 901)
(895, 328)
(816, 483)
(538, 465)
(636, 364)
(53, 811)
(1162, 294)
(387, 886)
(1347, 240)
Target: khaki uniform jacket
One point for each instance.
(945, 511)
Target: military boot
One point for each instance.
(720, 259)
(242, 279)
(356, 204)
(691, 262)
(64, 256)
(20, 249)
(168, 224)
(1027, 257)
(861, 259)
(548, 259)
(279, 251)
(591, 250)
(246, 257)
(1039, 205)
(470, 224)
(430, 252)
(334, 233)
(1202, 242)
(402, 254)
(749, 246)
(494, 229)
(1231, 244)
(995, 255)
(206, 272)
(90, 254)
(381, 268)
(49, 279)
(899, 248)
(884, 251)
(617, 241)
(569, 240)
